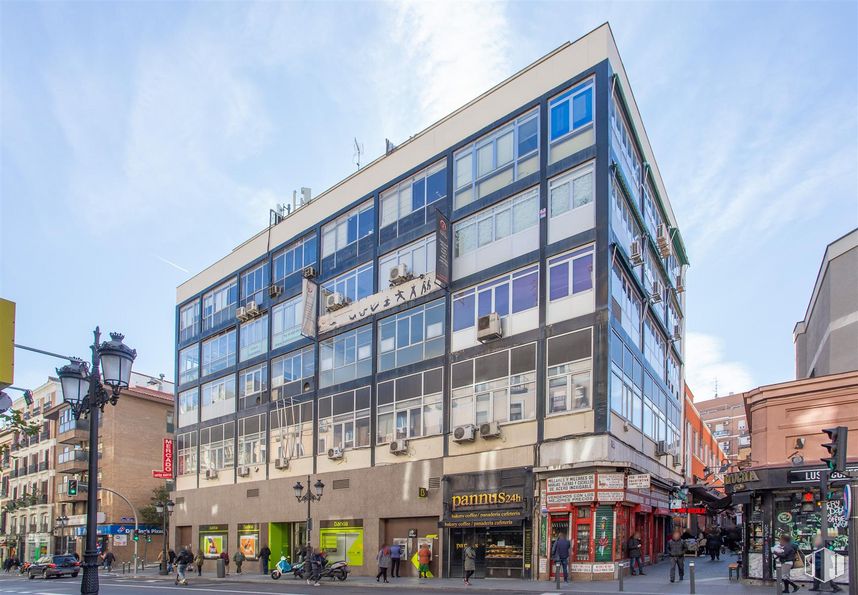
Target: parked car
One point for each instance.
(48, 566)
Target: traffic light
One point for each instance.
(72, 487)
(148, 539)
(808, 502)
(836, 448)
(28, 398)
(136, 535)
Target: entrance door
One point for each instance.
(459, 538)
(559, 524)
(183, 537)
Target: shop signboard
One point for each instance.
(309, 290)
(580, 568)
(442, 249)
(611, 496)
(213, 540)
(640, 481)
(571, 483)
(742, 477)
(120, 540)
(248, 540)
(812, 475)
(603, 568)
(611, 481)
(570, 497)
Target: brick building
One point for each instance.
(728, 422)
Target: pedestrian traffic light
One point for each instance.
(836, 448)
(136, 535)
(72, 487)
(148, 539)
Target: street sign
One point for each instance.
(7, 343)
(422, 493)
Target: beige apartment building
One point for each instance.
(476, 338)
(728, 423)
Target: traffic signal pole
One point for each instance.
(852, 535)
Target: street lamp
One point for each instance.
(87, 389)
(165, 508)
(309, 497)
(62, 521)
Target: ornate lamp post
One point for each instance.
(165, 508)
(309, 497)
(87, 389)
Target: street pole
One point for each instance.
(163, 570)
(309, 514)
(853, 535)
(89, 584)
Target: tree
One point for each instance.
(148, 514)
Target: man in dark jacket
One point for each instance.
(634, 550)
(560, 553)
(786, 552)
(676, 551)
(713, 544)
(264, 556)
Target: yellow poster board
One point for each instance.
(343, 543)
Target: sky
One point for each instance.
(142, 141)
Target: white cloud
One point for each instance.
(707, 367)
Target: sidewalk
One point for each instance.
(710, 579)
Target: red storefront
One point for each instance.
(598, 512)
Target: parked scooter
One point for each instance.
(284, 567)
(337, 570)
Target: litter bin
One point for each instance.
(221, 569)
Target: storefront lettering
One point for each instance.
(812, 475)
(485, 499)
(611, 481)
(740, 477)
(573, 497)
(571, 482)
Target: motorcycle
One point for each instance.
(337, 570)
(284, 567)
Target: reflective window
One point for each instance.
(418, 257)
(410, 406)
(253, 284)
(570, 273)
(289, 372)
(189, 407)
(404, 206)
(286, 322)
(344, 420)
(216, 447)
(353, 285)
(345, 357)
(511, 293)
(189, 363)
(252, 386)
(253, 337)
(218, 353)
(218, 398)
(189, 321)
(219, 305)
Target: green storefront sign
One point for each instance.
(343, 540)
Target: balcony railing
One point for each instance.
(44, 528)
(43, 466)
(33, 468)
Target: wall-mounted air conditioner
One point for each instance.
(309, 272)
(281, 463)
(662, 240)
(400, 274)
(636, 255)
(661, 448)
(489, 327)
(399, 447)
(241, 313)
(490, 430)
(243, 471)
(211, 473)
(655, 292)
(466, 433)
(275, 291)
(252, 309)
(335, 301)
(336, 453)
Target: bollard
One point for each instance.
(221, 569)
(622, 566)
(691, 578)
(778, 573)
(557, 574)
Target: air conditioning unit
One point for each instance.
(661, 448)
(490, 430)
(489, 327)
(309, 272)
(274, 291)
(335, 301)
(680, 283)
(243, 471)
(663, 240)
(677, 332)
(636, 255)
(335, 453)
(465, 433)
(399, 447)
(400, 274)
(655, 292)
(241, 313)
(676, 461)
(252, 309)
(281, 463)
(211, 473)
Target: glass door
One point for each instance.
(559, 524)
(583, 534)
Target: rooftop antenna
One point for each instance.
(716, 386)
(358, 153)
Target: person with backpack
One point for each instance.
(182, 560)
(238, 557)
(264, 556)
(198, 562)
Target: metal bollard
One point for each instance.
(622, 566)
(557, 574)
(778, 576)
(691, 578)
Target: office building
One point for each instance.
(477, 337)
(826, 341)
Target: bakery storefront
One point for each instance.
(491, 512)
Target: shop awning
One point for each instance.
(712, 499)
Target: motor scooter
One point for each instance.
(284, 567)
(336, 570)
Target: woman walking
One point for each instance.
(470, 563)
(383, 558)
(198, 562)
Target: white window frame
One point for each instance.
(186, 458)
(189, 373)
(257, 378)
(569, 258)
(217, 300)
(214, 392)
(334, 230)
(188, 405)
(283, 313)
(249, 280)
(340, 283)
(423, 403)
(489, 285)
(362, 353)
(570, 180)
(251, 447)
(488, 219)
(189, 318)
(222, 341)
(253, 338)
(294, 435)
(391, 200)
(383, 348)
(291, 251)
(406, 254)
(568, 96)
(223, 451)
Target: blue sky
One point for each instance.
(140, 141)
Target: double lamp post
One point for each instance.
(165, 508)
(309, 497)
(87, 388)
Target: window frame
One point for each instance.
(394, 193)
(490, 285)
(568, 97)
(225, 381)
(574, 368)
(212, 320)
(292, 250)
(383, 324)
(259, 451)
(290, 334)
(259, 346)
(258, 274)
(365, 270)
(492, 213)
(195, 320)
(569, 178)
(391, 259)
(228, 338)
(408, 405)
(363, 333)
(187, 375)
(348, 422)
(569, 258)
(260, 371)
(334, 226)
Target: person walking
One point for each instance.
(395, 559)
(182, 560)
(424, 558)
(238, 557)
(560, 554)
(224, 555)
(785, 552)
(108, 560)
(676, 551)
(317, 563)
(264, 556)
(383, 558)
(171, 559)
(713, 544)
(198, 562)
(470, 563)
(635, 557)
(818, 563)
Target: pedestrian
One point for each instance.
(470, 563)
(109, 559)
(634, 550)
(676, 551)
(560, 554)
(198, 562)
(395, 559)
(786, 552)
(171, 559)
(424, 558)
(182, 560)
(238, 557)
(818, 567)
(224, 555)
(264, 556)
(317, 562)
(713, 544)
(383, 558)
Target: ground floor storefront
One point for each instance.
(787, 501)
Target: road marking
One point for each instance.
(189, 588)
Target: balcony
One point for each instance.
(43, 466)
(73, 432)
(32, 468)
(74, 461)
(45, 435)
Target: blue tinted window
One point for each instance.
(582, 108)
(525, 292)
(502, 300)
(559, 281)
(463, 312)
(367, 223)
(484, 307)
(352, 229)
(528, 136)
(559, 120)
(418, 194)
(436, 186)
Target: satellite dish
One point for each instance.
(5, 402)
